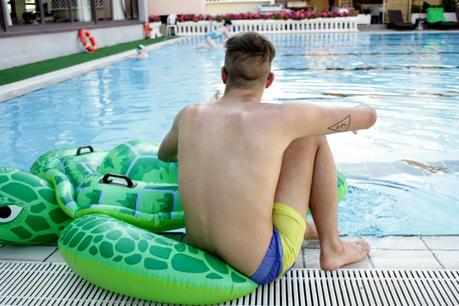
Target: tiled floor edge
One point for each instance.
(371, 261)
(388, 31)
(433, 253)
(52, 253)
(23, 87)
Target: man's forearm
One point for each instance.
(360, 117)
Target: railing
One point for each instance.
(64, 4)
(317, 25)
(319, 40)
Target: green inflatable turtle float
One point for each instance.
(106, 209)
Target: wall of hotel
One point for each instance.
(401, 5)
(225, 8)
(419, 3)
(167, 7)
(318, 5)
(405, 8)
(20, 50)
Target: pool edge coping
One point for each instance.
(19, 88)
(390, 31)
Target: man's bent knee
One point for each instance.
(295, 179)
(303, 146)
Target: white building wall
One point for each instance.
(215, 8)
(212, 7)
(167, 7)
(21, 50)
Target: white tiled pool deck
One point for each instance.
(421, 252)
(433, 252)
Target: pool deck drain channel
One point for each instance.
(35, 283)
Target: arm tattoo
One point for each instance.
(341, 126)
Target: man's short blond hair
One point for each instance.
(248, 59)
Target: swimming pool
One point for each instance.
(411, 79)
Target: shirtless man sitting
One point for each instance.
(249, 171)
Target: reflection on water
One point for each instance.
(411, 79)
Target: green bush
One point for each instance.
(357, 5)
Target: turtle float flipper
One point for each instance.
(29, 213)
(133, 261)
(64, 191)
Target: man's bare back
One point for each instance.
(238, 156)
(228, 176)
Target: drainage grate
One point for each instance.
(23, 283)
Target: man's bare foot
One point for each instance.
(332, 258)
(311, 231)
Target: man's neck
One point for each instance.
(237, 95)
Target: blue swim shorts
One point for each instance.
(271, 266)
(288, 234)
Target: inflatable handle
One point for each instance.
(78, 153)
(106, 180)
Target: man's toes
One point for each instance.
(368, 248)
(363, 246)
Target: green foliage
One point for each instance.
(357, 5)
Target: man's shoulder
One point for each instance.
(266, 109)
(193, 108)
(192, 111)
(250, 112)
(189, 109)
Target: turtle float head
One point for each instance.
(29, 213)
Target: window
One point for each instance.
(3, 15)
(110, 10)
(24, 14)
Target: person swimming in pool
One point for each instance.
(223, 32)
(249, 171)
(141, 52)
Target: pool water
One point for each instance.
(403, 173)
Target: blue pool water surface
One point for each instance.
(403, 173)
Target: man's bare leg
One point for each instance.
(308, 180)
(324, 208)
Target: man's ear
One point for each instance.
(224, 74)
(270, 80)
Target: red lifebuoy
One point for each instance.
(91, 45)
(147, 29)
